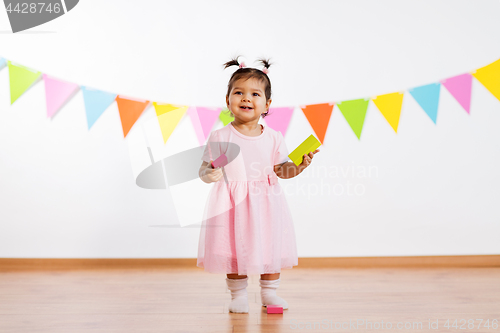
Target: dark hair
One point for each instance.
(249, 73)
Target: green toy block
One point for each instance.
(309, 145)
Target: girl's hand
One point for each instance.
(210, 175)
(307, 159)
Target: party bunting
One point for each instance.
(427, 97)
(489, 76)
(203, 120)
(130, 110)
(318, 116)
(279, 118)
(354, 112)
(96, 102)
(169, 116)
(57, 93)
(225, 116)
(460, 88)
(390, 107)
(20, 78)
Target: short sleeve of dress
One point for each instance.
(211, 148)
(281, 154)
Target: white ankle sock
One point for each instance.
(268, 293)
(239, 295)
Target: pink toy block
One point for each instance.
(219, 161)
(274, 309)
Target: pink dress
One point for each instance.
(247, 226)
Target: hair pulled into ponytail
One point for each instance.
(245, 73)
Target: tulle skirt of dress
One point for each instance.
(247, 228)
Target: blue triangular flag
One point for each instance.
(96, 102)
(3, 62)
(428, 98)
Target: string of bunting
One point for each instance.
(203, 119)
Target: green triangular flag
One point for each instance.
(21, 78)
(225, 116)
(354, 112)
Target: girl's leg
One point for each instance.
(237, 284)
(274, 276)
(268, 284)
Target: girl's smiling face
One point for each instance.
(247, 100)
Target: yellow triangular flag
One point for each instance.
(390, 107)
(169, 116)
(489, 76)
(21, 78)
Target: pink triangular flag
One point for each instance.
(279, 118)
(460, 87)
(57, 93)
(195, 121)
(203, 120)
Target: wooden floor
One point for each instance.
(190, 300)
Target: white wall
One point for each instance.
(66, 192)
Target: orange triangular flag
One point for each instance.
(318, 116)
(130, 110)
